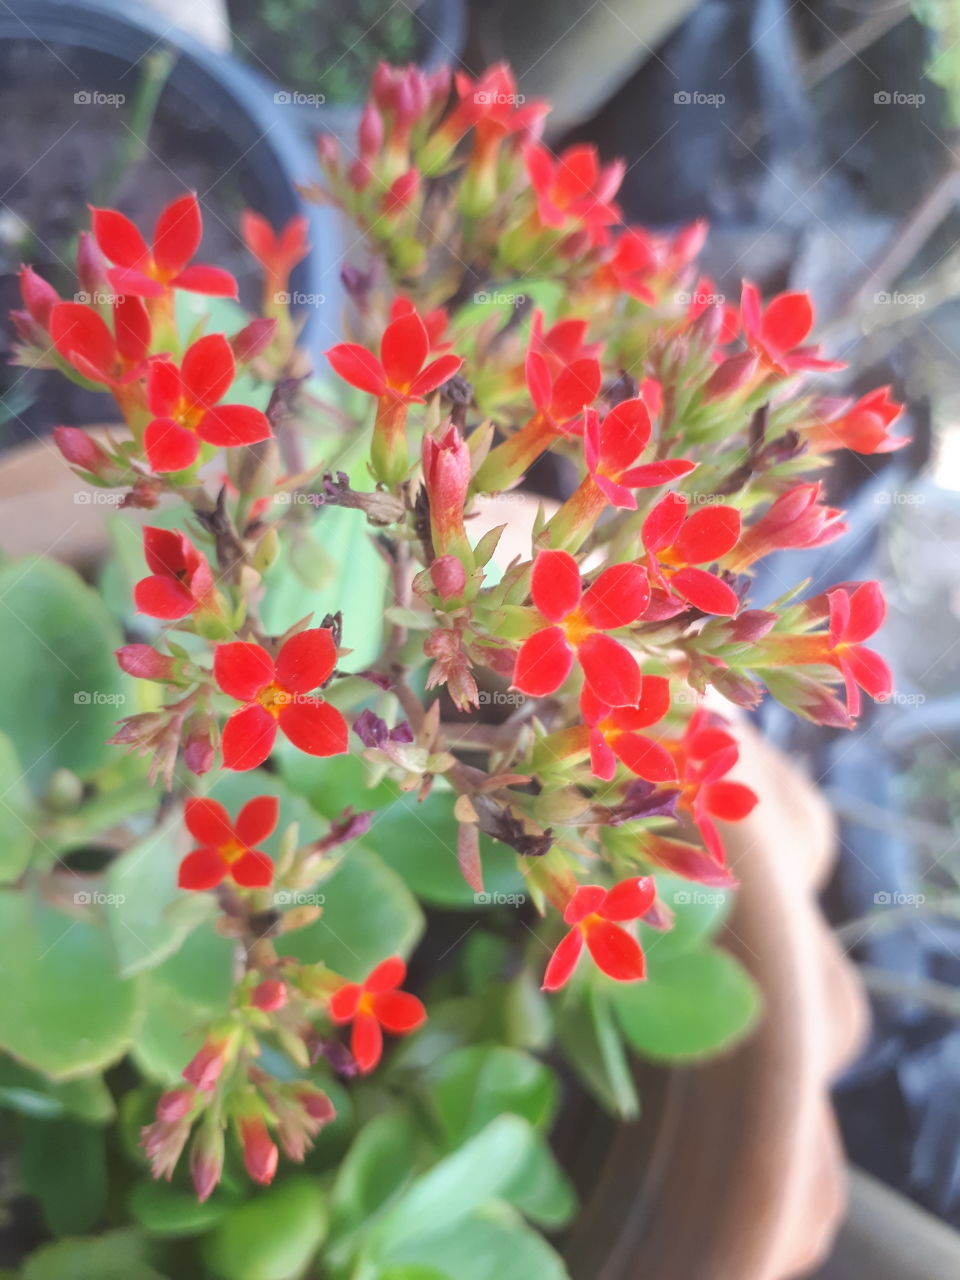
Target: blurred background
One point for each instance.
(820, 140)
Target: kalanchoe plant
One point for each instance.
(500, 309)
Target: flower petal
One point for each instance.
(201, 869)
(584, 902)
(617, 597)
(230, 425)
(610, 669)
(248, 738)
(254, 870)
(164, 387)
(652, 474)
(403, 350)
(387, 975)
(170, 447)
(787, 320)
(163, 597)
(344, 1001)
(358, 366)
(399, 1012)
(729, 801)
(870, 672)
(624, 434)
(306, 660)
(705, 592)
(207, 370)
(176, 237)
(543, 663)
(652, 705)
(630, 899)
(133, 283)
(435, 374)
(366, 1042)
(131, 327)
(208, 821)
(77, 330)
(555, 584)
(214, 282)
(708, 534)
(616, 952)
(664, 522)
(603, 762)
(563, 961)
(118, 239)
(314, 726)
(257, 820)
(577, 385)
(242, 669)
(867, 612)
(644, 757)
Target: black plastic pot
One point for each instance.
(101, 41)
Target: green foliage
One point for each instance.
(117, 1255)
(63, 1164)
(32, 1094)
(273, 1236)
(60, 687)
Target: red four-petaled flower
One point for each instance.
(374, 1006)
(676, 543)
(181, 580)
(612, 446)
(277, 695)
(228, 849)
(278, 252)
(574, 187)
(615, 733)
(577, 622)
(402, 372)
(863, 426)
(81, 336)
(186, 406)
(148, 271)
(595, 915)
(705, 754)
(854, 617)
(777, 331)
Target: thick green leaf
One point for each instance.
(418, 840)
(17, 817)
(63, 1164)
(541, 1190)
(481, 1247)
(699, 912)
(368, 914)
(149, 916)
(413, 1272)
(163, 1210)
(379, 1163)
(60, 687)
(181, 996)
(358, 588)
(271, 1237)
(475, 1085)
(63, 1009)
(593, 1045)
(117, 1255)
(460, 1184)
(32, 1094)
(690, 1006)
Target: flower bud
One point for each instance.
(90, 264)
(446, 477)
(270, 995)
(730, 376)
(204, 1068)
(145, 663)
(253, 339)
(260, 1153)
(81, 450)
(200, 742)
(39, 297)
(370, 131)
(175, 1104)
(448, 576)
(206, 1157)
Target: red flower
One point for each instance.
(435, 322)
(612, 446)
(277, 252)
(563, 343)
(574, 187)
(795, 520)
(148, 272)
(615, 733)
(863, 426)
(228, 848)
(854, 617)
(576, 625)
(186, 406)
(375, 1006)
(595, 915)
(560, 399)
(276, 695)
(81, 336)
(676, 542)
(776, 332)
(182, 580)
(401, 374)
(705, 753)
(641, 257)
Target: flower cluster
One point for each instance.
(613, 639)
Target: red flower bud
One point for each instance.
(446, 476)
(174, 1104)
(81, 450)
(260, 1153)
(206, 1158)
(204, 1068)
(39, 297)
(734, 373)
(370, 131)
(253, 339)
(448, 576)
(269, 995)
(145, 663)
